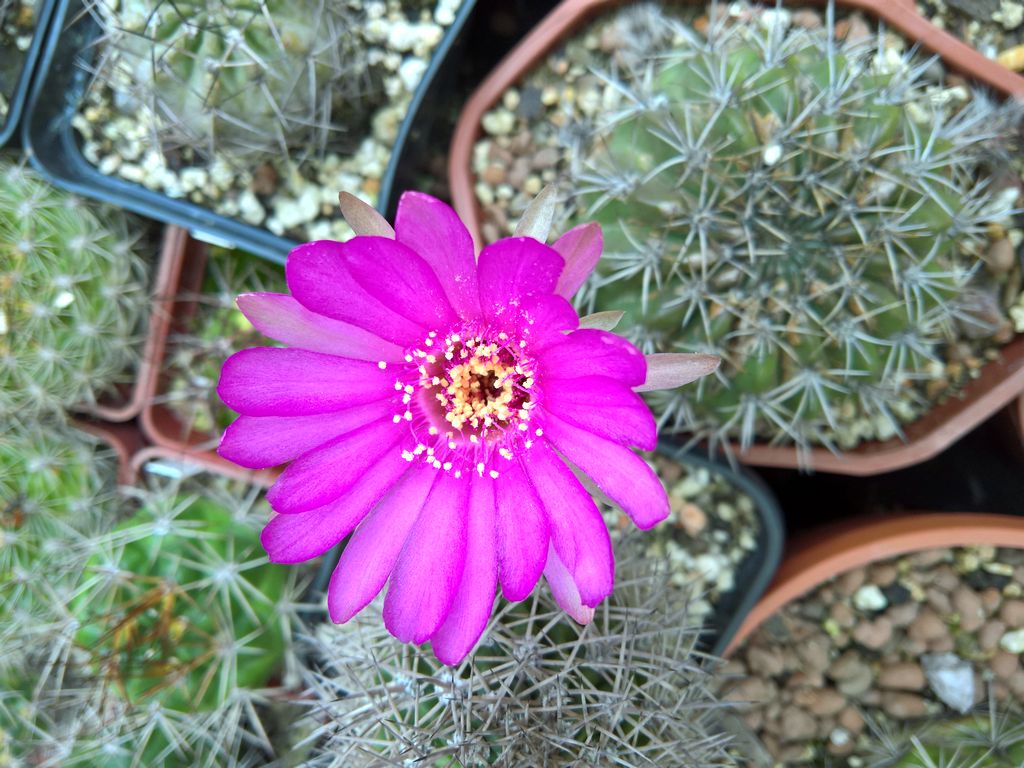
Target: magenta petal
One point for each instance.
(512, 269)
(619, 472)
(564, 590)
(581, 249)
(319, 278)
(370, 555)
(590, 352)
(603, 406)
(324, 474)
(258, 442)
(269, 381)
(429, 569)
(522, 533)
(296, 538)
(475, 599)
(280, 317)
(399, 279)
(542, 320)
(578, 531)
(437, 234)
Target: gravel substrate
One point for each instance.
(993, 27)
(17, 26)
(712, 528)
(881, 649)
(294, 197)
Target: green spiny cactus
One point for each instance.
(238, 75)
(182, 626)
(72, 297)
(217, 331)
(799, 206)
(988, 739)
(56, 490)
(627, 689)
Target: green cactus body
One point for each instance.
(182, 627)
(185, 611)
(242, 75)
(72, 298)
(975, 741)
(56, 489)
(797, 206)
(539, 689)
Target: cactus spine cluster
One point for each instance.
(627, 689)
(56, 489)
(801, 207)
(73, 296)
(168, 640)
(245, 76)
(991, 738)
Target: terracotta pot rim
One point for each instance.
(182, 262)
(125, 440)
(830, 552)
(998, 384)
(137, 397)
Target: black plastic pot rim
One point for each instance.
(51, 144)
(756, 571)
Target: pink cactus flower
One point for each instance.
(440, 408)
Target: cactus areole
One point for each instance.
(432, 402)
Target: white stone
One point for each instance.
(249, 207)
(1013, 642)
(772, 154)
(869, 598)
(411, 72)
(951, 678)
(499, 122)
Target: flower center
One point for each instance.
(472, 398)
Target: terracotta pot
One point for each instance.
(180, 276)
(998, 383)
(128, 403)
(126, 441)
(826, 553)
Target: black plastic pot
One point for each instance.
(53, 145)
(755, 572)
(16, 98)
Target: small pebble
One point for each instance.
(903, 676)
(1013, 641)
(1012, 614)
(870, 598)
(903, 706)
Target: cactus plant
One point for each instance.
(182, 624)
(56, 490)
(989, 738)
(213, 333)
(242, 75)
(72, 297)
(627, 689)
(810, 209)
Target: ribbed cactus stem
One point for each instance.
(801, 206)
